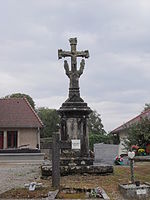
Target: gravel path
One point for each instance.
(16, 175)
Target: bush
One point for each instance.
(97, 138)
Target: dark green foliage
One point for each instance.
(139, 134)
(95, 124)
(114, 138)
(19, 95)
(50, 120)
(97, 134)
(98, 138)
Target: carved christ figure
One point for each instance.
(74, 75)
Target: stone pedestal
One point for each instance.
(74, 118)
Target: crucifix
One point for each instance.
(74, 111)
(74, 73)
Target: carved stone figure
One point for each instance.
(73, 74)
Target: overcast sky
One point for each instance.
(116, 79)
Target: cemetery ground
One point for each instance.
(14, 176)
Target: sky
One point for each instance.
(116, 78)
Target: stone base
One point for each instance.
(131, 191)
(69, 170)
(78, 161)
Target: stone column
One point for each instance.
(5, 140)
(85, 139)
(38, 138)
(18, 138)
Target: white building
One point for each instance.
(122, 131)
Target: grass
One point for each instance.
(72, 196)
(20, 193)
(108, 183)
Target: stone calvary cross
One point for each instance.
(73, 74)
(74, 111)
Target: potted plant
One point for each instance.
(141, 152)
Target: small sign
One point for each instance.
(141, 191)
(75, 144)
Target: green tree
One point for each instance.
(138, 134)
(96, 138)
(95, 124)
(50, 119)
(20, 95)
(97, 134)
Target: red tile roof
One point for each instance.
(17, 113)
(133, 121)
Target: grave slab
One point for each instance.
(131, 191)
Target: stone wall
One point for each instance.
(105, 153)
(22, 157)
(46, 151)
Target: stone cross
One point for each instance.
(73, 74)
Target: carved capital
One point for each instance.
(73, 41)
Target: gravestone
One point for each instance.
(105, 153)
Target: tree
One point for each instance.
(139, 134)
(96, 138)
(95, 124)
(97, 134)
(50, 119)
(19, 95)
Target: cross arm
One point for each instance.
(84, 54)
(64, 54)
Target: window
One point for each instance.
(1, 139)
(12, 139)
